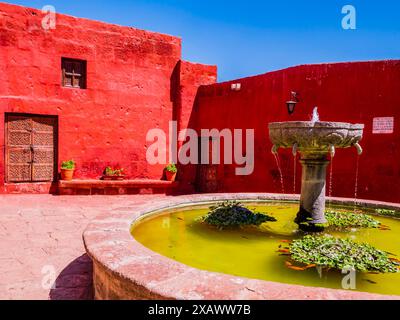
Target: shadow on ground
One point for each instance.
(75, 282)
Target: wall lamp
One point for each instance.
(291, 105)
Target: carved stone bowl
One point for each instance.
(316, 137)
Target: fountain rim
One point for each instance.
(312, 125)
(125, 269)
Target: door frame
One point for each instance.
(55, 143)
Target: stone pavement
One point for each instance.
(41, 250)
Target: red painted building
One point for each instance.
(134, 81)
(345, 92)
(90, 91)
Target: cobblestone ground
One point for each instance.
(41, 250)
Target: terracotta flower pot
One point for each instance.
(67, 174)
(170, 176)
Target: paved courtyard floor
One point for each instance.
(41, 250)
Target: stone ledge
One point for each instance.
(29, 188)
(122, 187)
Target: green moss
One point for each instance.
(321, 225)
(339, 254)
(234, 214)
(313, 227)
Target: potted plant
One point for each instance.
(170, 172)
(67, 170)
(113, 174)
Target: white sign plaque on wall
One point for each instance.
(384, 125)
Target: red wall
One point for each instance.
(130, 87)
(137, 81)
(192, 75)
(350, 92)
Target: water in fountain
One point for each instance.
(294, 152)
(356, 183)
(330, 184)
(332, 152)
(280, 171)
(251, 251)
(295, 173)
(315, 116)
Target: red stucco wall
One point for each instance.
(350, 92)
(129, 87)
(137, 81)
(192, 75)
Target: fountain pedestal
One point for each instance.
(313, 191)
(314, 141)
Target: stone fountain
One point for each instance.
(314, 140)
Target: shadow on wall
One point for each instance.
(75, 282)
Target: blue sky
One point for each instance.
(251, 37)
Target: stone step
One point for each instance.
(116, 187)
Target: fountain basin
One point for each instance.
(315, 138)
(125, 269)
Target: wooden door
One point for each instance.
(208, 178)
(30, 148)
(207, 174)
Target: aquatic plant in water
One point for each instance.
(234, 214)
(330, 252)
(388, 213)
(346, 219)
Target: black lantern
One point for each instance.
(291, 105)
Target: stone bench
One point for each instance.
(123, 187)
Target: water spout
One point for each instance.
(331, 183)
(278, 164)
(332, 151)
(359, 149)
(315, 116)
(275, 149)
(294, 151)
(356, 183)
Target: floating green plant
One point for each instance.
(388, 213)
(330, 252)
(347, 219)
(234, 214)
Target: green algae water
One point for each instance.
(251, 252)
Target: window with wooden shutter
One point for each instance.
(73, 73)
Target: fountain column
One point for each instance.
(313, 190)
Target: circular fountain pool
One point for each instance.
(160, 250)
(252, 251)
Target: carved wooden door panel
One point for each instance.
(30, 148)
(18, 149)
(43, 142)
